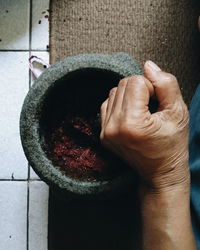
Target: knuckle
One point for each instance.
(103, 105)
(137, 78)
(112, 91)
(123, 82)
(181, 114)
(185, 108)
(185, 112)
(169, 78)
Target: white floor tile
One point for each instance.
(38, 215)
(14, 24)
(33, 175)
(14, 78)
(40, 24)
(13, 215)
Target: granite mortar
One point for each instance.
(32, 135)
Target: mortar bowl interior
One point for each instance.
(80, 93)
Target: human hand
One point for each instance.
(155, 145)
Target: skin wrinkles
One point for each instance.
(156, 147)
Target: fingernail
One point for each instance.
(153, 66)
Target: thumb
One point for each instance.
(165, 85)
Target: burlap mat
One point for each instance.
(164, 31)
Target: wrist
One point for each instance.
(162, 197)
(164, 191)
(165, 214)
(177, 178)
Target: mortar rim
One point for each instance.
(29, 123)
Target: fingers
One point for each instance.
(114, 101)
(123, 88)
(166, 86)
(110, 103)
(103, 112)
(137, 94)
(131, 95)
(119, 95)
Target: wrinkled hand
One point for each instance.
(155, 145)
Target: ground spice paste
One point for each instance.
(74, 146)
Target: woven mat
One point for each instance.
(164, 31)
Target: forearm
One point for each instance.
(166, 219)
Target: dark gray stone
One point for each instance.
(31, 134)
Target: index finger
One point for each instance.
(137, 94)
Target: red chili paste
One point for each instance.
(74, 146)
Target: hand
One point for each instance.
(155, 145)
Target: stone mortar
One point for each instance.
(120, 63)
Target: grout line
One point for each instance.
(11, 180)
(29, 170)
(24, 50)
(29, 84)
(31, 180)
(27, 219)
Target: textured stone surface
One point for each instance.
(119, 63)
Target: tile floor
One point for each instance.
(23, 196)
